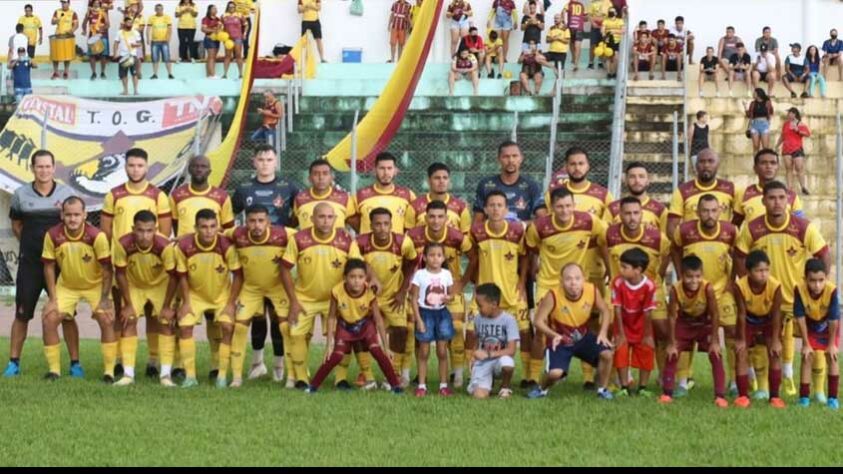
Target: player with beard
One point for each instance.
(384, 193)
(749, 203)
(653, 213)
(683, 204)
(322, 189)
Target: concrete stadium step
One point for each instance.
(569, 102)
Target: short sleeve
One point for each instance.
(231, 258)
(814, 241)
(834, 307)
(168, 256)
(227, 213)
(119, 257)
(665, 245)
(512, 333)
(537, 196)
(677, 236)
(479, 197)
(49, 252)
(410, 216)
(163, 205)
(417, 279)
(737, 206)
(743, 243)
(291, 254)
(532, 239)
(15, 208)
(617, 298)
(173, 211)
(465, 245)
(465, 220)
(181, 260)
(350, 207)
(354, 250)
(651, 297)
(108, 205)
(677, 204)
(237, 201)
(101, 248)
(408, 249)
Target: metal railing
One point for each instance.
(619, 118)
(685, 75)
(838, 242)
(554, 124)
(675, 168)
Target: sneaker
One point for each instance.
(665, 399)
(505, 393)
(236, 383)
(152, 371)
(300, 385)
(499, 75)
(806, 192)
(310, 390)
(278, 374)
(421, 392)
(343, 386)
(360, 380)
(777, 402)
(691, 384)
(189, 383)
(681, 392)
(589, 386)
(491, 75)
(644, 392)
(404, 382)
(820, 397)
(118, 370)
(525, 384)
(124, 382)
(291, 383)
(12, 370)
(397, 391)
(102, 75)
(605, 395)
(171, 76)
(793, 95)
(167, 382)
(742, 402)
(76, 371)
(537, 392)
(221, 383)
(721, 402)
(623, 392)
(257, 371)
(213, 374)
(154, 76)
(833, 404)
(804, 402)
(591, 66)
(761, 395)
(457, 381)
(386, 386)
(789, 387)
(445, 392)
(179, 374)
(371, 385)
(93, 77)
(51, 377)
(804, 95)
(108, 379)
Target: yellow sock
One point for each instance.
(129, 352)
(397, 362)
(457, 348)
(788, 344)
(525, 365)
(238, 350)
(53, 355)
(758, 356)
(177, 362)
(214, 338)
(288, 349)
(109, 356)
(153, 343)
(536, 366)
(188, 356)
(410, 348)
(731, 359)
(683, 372)
(341, 371)
(818, 372)
(587, 373)
(364, 361)
(299, 356)
(225, 361)
(167, 345)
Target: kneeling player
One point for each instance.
(694, 318)
(354, 318)
(562, 316)
(817, 311)
(497, 336)
(759, 297)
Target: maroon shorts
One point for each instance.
(758, 334)
(361, 335)
(689, 333)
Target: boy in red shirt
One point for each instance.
(633, 296)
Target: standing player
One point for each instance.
(575, 16)
(210, 279)
(683, 204)
(34, 210)
(439, 183)
(523, 195)
(749, 203)
(81, 252)
(116, 220)
(143, 261)
(653, 213)
(322, 189)
(384, 193)
(319, 255)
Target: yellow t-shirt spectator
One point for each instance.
(559, 39)
(613, 26)
(186, 20)
(598, 10)
(160, 26)
(31, 24)
(492, 47)
(244, 7)
(311, 10)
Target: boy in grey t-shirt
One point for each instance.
(497, 336)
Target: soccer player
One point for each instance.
(497, 338)
(319, 255)
(439, 183)
(34, 210)
(384, 193)
(816, 308)
(80, 251)
(392, 259)
(143, 263)
(712, 241)
(322, 189)
(116, 220)
(759, 297)
(562, 317)
(694, 320)
(498, 255)
(749, 202)
(210, 280)
(456, 244)
(653, 213)
(789, 241)
(523, 195)
(683, 204)
(260, 249)
(353, 318)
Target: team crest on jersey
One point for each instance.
(86, 258)
(336, 263)
(791, 252)
(249, 200)
(521, 203)
(278, 201)
(581, 244)
(220, 269)
(276, 260)
(509, 256)
(394, 269)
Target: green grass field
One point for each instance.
(84, 422)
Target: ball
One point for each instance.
(229, 44)
(223, 36)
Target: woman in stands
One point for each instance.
(211, 25)
(759, 112)
(234, 24)
(814, 63)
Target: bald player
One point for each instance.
(683, 204)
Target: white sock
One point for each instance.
(443, 385)
(257, 357)
(683, 383)
(279, 362)
(405, 374)
(458, 373)
(422, 386)
(129, 372)
(166, 370)
(787, 370)
(751, 373)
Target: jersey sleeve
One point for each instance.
(350, 207)
(466, 244)
(677, 236)
(181, 261)
(651, 297)
(15, 210)
(168, 257)
(227, 214)
(814, 241)
(532, 239)
(664, 251)
(291, 254)
(677, 204)
(108, 205)
(237, 201)
(231, 259)
(354, 250)
(798, 306)
(796, 209)
(737, 206)
(119, 257)
(173, 212)
(744, 241)
(607, 214)
(479, 198)
(465, 220)
(537, 197)
(101, 248)
(49, 252)
(410, 217)
(163, 205)
(834, 307)
(617, 294)
(408, 250)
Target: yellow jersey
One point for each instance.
(31, 25)
(352, 309)
(691, 307)
(683, 203)
(160, 26)
(186, 19)
(649, 239)
(458, 213)
(598, 10)
(758, 305)
(319, 263)
(559, 38)
(66, 19)
(341, 201)
(455, 242)
(492, 47)
(144, 268)
(591, 198)
(244, 7)
(261, 260)
(570, 317)
(614, 27)
(498, 256)
(559, 245)
(653, 213)
(208, 268)
(311, 9)
(185, 203)
(386, 262)
(715, 251)
(121, 204)
(749, 203)
(79, 258)
(397, 199)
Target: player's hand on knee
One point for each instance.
(604, 341)
(127, 313)
(807, 351)
(51, 309)
(295, 310)
(671, 352)
(184, 310)
(105, 310)
(714, 348)
(167, 316)
(230, 309)
(776, 348)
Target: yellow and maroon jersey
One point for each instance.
(649, 239)
(788, 247)
(78, 258)
(397, 200)
(185, 202)
(715, 252)
(559, 245)
(319, 263)
(386, 262)
(352, 309)
(691, 307)
(816, 311)
(591, 198)
(455, 242)
(458, 213)
(498, 256)
(144, 268)
(261, 259)
(570, 315)
(749, 203)
(208, 269)
(121, 204)
(305, 201)
(685, 198)
(758, 305)
(653, 213)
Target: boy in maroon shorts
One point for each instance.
(694, 318)
(354, 320)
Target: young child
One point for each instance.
(817, 311)
(694, 318)
(22, 75)
(354, 318)
(497, 337)
(430, 293)
(759, 297)
(633, 296)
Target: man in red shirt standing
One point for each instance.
(399, 25)
(790, 140)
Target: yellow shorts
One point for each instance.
(458, 305)
(307, 318)
(660, 313)
(394, 318)
(728, 309)
(68, 299)
(253, 304)
(201, 307)
(155, 296)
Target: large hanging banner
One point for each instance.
(89, 139)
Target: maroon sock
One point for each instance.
(669, 376)
(743, 385)
(833, 380)
(804, 390)
(385, 365)
(326, 368)
(719, 375)
(775, 382)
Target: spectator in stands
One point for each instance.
(271, 114)
(473, 42)
(309, 10)
(613, 31)
(211, 25)
(532, 24)
(644, 54)
(399, 27)
(727, 47)
(772, 45)
(463, 66)
(832, 49)
(672, 58)
(621, 7)
(531, 62)
(95, 27)
(559, 39)
(683, 36)
(541, 6)
(598, 10)
(126, 46)
(187, 13)
(33, 31)
(459, 12)
(133, 11)
(793, 152)
(698, 135)
(740, 67)
(131, 7)
(503, 13)
(642, 28)
(66, 22)
(796, 70)
(494, 50)
(16, 41)
(708, 71)
(234, 24)
(659, 36)
(765, 70)
(575, 16)
(813, 61)
(159, 30)
(759, 112)
(21, 67)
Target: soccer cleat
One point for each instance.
(524, 383)
(343, 386)
(505, 393)
(12, 370)
(152, 371)
(789, 386)
(179, 374)
(623, 392)
(833, 404)
(665, 399)
(820, 397)
(404, 382)
(76, 371)
(190, 383)
(361, 380)
(310, 390)
(589, 386)
(167, 382)
(124, 382)
(691, 384)
(385, 385)
(278, 374)
(644, 392)
(445, 392)
(804, 402)
(421, 392)
(108, 379)
(761, 395)
(753, 384)
(456, 380)
(221, 383)
(257, 371)
(680, 392)
(742, 402)
(397, 391)
(118, 369)
(51, 377)
(535, 393)
(300, 385)
(721, 402)
(371, 385)
(777, 402)
(733, 389)
(291, 383)
(236, 383)
(213, 374)
(604, 394)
